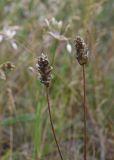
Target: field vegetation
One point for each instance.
(31, 27)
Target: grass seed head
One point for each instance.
(7, 66)
(44, 69)
(81, 50)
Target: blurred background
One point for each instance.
(30, 27)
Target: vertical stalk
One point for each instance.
(85, 114)
(51, 122)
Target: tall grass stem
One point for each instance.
(51, 122)
(85, 114)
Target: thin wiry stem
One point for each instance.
(51, 121)
(85, 114)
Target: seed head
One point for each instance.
(81, 50)
(44, 69)
(7, 66)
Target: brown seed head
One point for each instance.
(7, 66)
(81, 51)
(44, 69)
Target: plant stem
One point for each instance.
(51, 121)
(85, 114)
